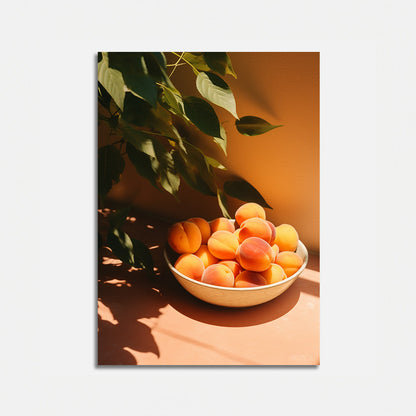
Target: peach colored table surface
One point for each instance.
(154, 321)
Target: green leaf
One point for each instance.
(139, 113)
(121, 245)
(214, 163)
(216, 90)
(112, 80)
(223, 203)
(143, 86)
(169, 180)
(202, 115)
(135, 74)
(104, 98)
(160, 57)
(222, 140)
(194, 168)
(110, 166)
(242, 190)
(163, 164)
(197, 60)
(253, 126)
(219, 62)
(142, 256)
(145, 165)
(118, 217)
(129, 250)
(173, 101)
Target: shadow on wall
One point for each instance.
(124, 296)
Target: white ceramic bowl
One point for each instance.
(234, 297)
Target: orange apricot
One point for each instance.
(255, 227)
(223, 245)
(249, 279)
(190, 265)
(184, 237)
(273, 230)
(233, 265)
(203, 226)
(289, 261)
(274, 274)
(205, 255)
(221, 223)
(276, 250)
(237, 234)
(286, 237)
(254, 254)
(249, 210)
(218, 275)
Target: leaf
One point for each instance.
(143, 86)
(242, 190)
(192, 165)
(136, 111)
(169, 180)
(214, 163)
(104, 98)
(110, 166)
(197, 60)
(145, 165)
(253, 126)
(112, 80)
(142, 256)
(121, 245)
(216, 90)
(160, 57)
(151, 146)
(219, 62)
(173, 101)
(222, 141)
(202, 115)
(118, 217)
(223, 203)
(139, 113)
(129, 250)
(135, 74)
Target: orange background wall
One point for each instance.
(283, 164)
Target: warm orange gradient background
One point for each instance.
(283, 164)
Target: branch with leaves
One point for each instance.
(141, 105)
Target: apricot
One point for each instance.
(184, 237)
(237, 234)
(205, 255)
(274, 274)
(254, 254)
(218, 275)
(203, 226)
(289, 261)
(249, 279)
(249, 210)
(190, 265)
(276, 250)
(233, 265)
(255, 227)
(221, 223)
(286, 237)
(223, 245)
(273, 230)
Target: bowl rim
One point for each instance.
(242, 289)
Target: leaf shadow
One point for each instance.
(125, 297)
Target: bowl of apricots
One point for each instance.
(238, 262)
